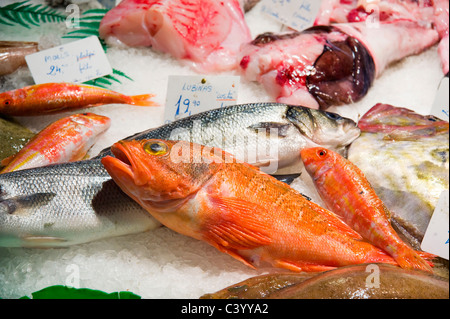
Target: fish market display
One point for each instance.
(433, 13)
(47, 98)
(268, 135)
(12, 55)
(330, 65)
(351, 282)
(204, 193)
(299, 127)
(346, 192)
(78, 204)
(66, 140)
(405, 157)
(206, 33)
(13, 137)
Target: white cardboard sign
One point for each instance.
(77, 61)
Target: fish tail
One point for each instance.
(379, 256)
(410, 259)
(143, 100)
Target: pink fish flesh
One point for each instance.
(205, 34)
(330, 65)
(343, 11)
(441, 21)
(431, 13)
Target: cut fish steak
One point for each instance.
(205, 34)
(429, 13)
(330, 65)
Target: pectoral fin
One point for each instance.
(239, 225)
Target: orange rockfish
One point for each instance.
(65, 140)
(55, 97)
(346, 192)
(206, 194)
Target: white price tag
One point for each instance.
(297, 14)
(440, 105)
(436, 237)
(77, 61)
(189, 95)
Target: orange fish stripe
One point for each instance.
(55, 97)
(236, 208)
(346, 192)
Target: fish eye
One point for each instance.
(156, 148)
(322, 153)
(7, 102)
(333, 116)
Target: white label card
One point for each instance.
(189, 95)
(436, 237)
(77, 61)
(440, 106)
(297, 14)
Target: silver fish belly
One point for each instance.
(268, 135)
(65, 204)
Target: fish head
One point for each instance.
(10, 100)
(157, 172)
(326, 129)
(98, 123)
(318, 160)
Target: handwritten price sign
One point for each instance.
(77, 61)
(189, 95)
(440, 106)
(297, 14)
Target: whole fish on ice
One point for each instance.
(66, 140)
(330, 65)
(65, 204)
(41, 99)
(31, 197)
(405, 157)
(204, 193)
(346, 192)
(268, 135)
(205, 34)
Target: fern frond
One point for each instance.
(106, 81)
(89, 23)
(26, 14)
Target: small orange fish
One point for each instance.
(55, 97)
(206, 194)
(346, 192)
(65, 140)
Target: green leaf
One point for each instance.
(64, 292)
(121, 74)
(26, 14)
(102, 12)
(87, 32)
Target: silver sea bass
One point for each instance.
(66, 204)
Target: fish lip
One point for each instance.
(120, 166)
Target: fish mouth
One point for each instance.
(119, 167)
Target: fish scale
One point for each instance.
(86, 187)
(218, 207)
